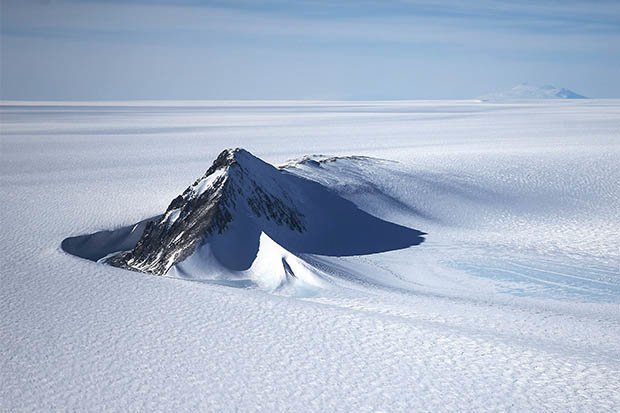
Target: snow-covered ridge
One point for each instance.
(526, 91)
(318, 160)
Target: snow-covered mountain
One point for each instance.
(527, 91)
(246, 220)
(207, 208)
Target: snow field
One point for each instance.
(510, 304)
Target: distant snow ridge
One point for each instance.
(527, 91)
(245, 222)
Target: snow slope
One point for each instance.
(511, 303)
(526, 91)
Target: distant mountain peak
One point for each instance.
(527, 91)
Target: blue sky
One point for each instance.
(309, 49)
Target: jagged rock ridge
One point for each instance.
(234, 184)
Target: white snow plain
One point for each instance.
(511, 304)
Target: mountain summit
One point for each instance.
(526, 91)
(245, 218)
(237, 183)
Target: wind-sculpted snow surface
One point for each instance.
(511, 303)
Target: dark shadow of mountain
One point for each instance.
(99, 244)
(333, 226)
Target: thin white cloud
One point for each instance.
(242, 50)
(183, 23)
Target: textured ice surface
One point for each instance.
(512, 303)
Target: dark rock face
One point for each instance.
(232, 185)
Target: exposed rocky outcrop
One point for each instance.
(234, 184)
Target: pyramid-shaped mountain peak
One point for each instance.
(218, 221)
